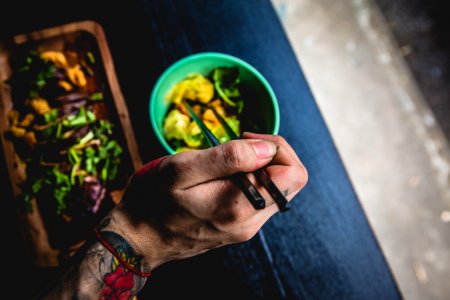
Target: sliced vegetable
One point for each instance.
(176, 125)
(193, 136)
(71, 151)
(40, 106)
(97, 96)
(224, 83)
(194, 87)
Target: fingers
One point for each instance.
(286, 170)
(200, 184)
(276, 139)
(240, 222)
(190, 168)
(227, 210)
(289, 179)
(221, 198)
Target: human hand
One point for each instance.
(188, 205)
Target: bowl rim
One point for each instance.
(160, 135)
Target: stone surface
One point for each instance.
(394, 151)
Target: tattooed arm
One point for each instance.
(95, 273)
(179, 207)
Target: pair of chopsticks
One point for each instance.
(240, 179)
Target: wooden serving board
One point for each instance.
(53, 39)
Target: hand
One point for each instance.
(189, 205)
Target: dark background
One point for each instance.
(422, 30)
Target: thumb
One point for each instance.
(191, 168)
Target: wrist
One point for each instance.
(144, 239)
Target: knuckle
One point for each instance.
(232, 155)
(279, 140)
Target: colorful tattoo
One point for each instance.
(96, 273)
(119, 282)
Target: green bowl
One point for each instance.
(266, 106)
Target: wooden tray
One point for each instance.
(35, 232)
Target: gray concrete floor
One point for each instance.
(395, 153)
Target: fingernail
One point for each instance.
(264, 149)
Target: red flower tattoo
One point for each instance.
(118, 284)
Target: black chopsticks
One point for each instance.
(240, 179)
(261, 175)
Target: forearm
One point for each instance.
(96, 273)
